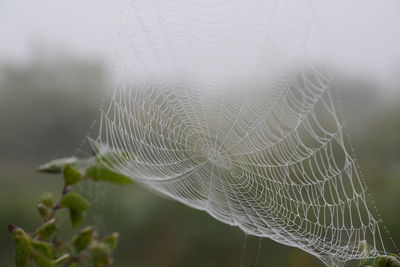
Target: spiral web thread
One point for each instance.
(220, 108)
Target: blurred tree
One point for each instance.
(41, 99)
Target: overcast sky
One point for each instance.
(363, 35)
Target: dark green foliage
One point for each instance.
(387, 261)
(76, 217)
(43, 247)
(381, 261)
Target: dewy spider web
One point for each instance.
(221, 109)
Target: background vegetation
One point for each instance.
(46, 107)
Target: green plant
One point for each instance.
(380, 261)
(86, 248)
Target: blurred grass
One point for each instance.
(46, 108)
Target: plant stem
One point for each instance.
(69, 261)
(56, 207)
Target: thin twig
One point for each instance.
(57, 206)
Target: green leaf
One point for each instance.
(47, 199)
(74, 202)
(76, 205)
(41, 260)
(21, 256)
(100, 255)
(43, 210)
(56, 166)
(101, 173)
(40, 252)
(71, 175)
(111, 241)
(83, 239)
(387, 261)
(43, 248)
(76, 217)
(21, 247)
(47, 229)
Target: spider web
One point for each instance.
(221, 108)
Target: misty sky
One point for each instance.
(363, 35)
